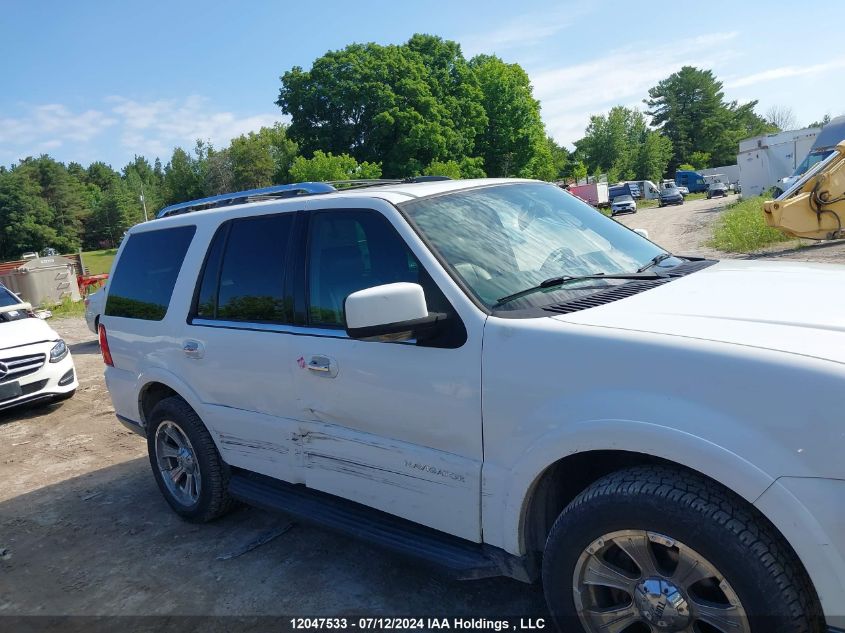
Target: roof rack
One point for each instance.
(250, 195)
(284, 191)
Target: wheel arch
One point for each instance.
(155, 385)
(563, 480)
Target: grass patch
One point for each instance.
(66, 308)
(701, 195)
(98, 262)
(742, 229)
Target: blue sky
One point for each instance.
(89, 80)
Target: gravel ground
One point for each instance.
(84, 530)
(686, 229)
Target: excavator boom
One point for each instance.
(814, 207)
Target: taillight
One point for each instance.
(104, 346)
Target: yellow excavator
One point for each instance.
(813, 207)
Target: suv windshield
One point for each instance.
(621, 199)
(504, 239)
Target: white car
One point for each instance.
(94, 304)
(35, 363)
(491, 375)
(623, 204)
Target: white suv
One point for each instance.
(492, 375)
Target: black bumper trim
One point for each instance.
(135, 427)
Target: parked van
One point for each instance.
(624, 189)
(692, 180)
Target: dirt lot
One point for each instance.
(84, 530)
(685, 230)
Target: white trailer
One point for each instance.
(728, 174)
(648, 190)
(594, 193)
(764, 160)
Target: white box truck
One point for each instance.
(764, 160)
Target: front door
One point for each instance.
(395, 425)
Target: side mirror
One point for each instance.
(642, 232)
(389, 309)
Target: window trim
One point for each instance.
(226, 225)
(302, 278)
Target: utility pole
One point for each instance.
(143, 201)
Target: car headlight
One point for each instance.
(58, 352)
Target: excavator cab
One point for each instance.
(813, 207)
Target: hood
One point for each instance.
(792, 307)
(25, 332)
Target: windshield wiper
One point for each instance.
(565, 279)
(654, 261)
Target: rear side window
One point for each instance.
(143, 280)
(244, 274)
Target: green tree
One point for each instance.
(115, 211)
(262, 158)
(326, 166)
(184, 175)
(219, 173)
(472, 167)
(701, 160)
(65, 195)
(689, 108)
(404, 106)
(621, 145)
(514, 141)
(449, 168)
(654, 153)
(25, 217)
(141, 179)
(821, 122)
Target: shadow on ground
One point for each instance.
(86, 347)
(106, 543)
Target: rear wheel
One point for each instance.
(653, 549)
(187, 467)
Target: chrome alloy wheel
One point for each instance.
(636, 581)
(177, 462)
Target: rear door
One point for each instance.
(236, 344)
(393, 424)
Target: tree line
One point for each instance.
(372, 111)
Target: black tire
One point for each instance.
(768, 579)
(214, 500)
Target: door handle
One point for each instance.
(193, 349)
(319, 363)
(322, 366)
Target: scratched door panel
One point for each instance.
(397, 428)
(432, 487)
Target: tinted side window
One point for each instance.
(143, 281)
(353, 250)
(244, 273)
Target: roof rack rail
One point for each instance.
(250, 195)
(285, 191)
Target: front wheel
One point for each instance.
(652, 549)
